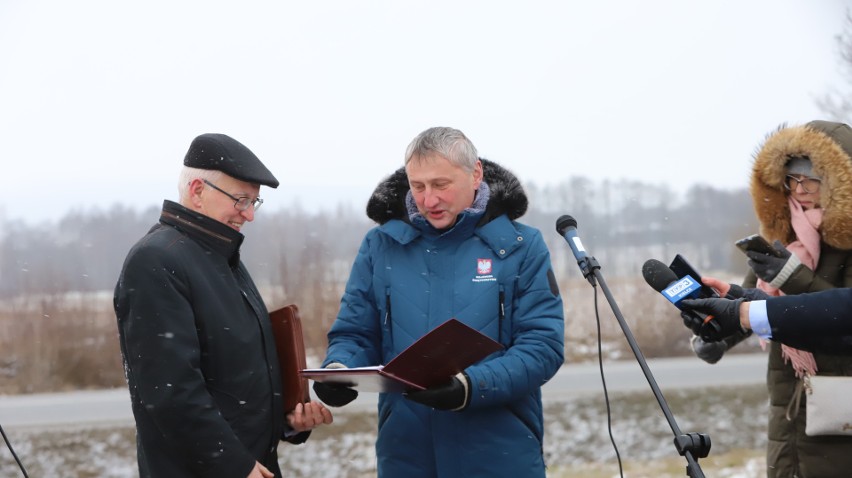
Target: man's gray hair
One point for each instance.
(447, 142)
(186, 176)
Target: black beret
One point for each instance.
(223, 153)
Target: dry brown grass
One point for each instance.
(654, 323)
(55, 343)
(69, 341)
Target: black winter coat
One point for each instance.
(818, 322)
(198, 351)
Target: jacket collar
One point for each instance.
(218, 237)
(506, 195)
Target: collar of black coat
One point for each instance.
(507, 195)
(204, 229)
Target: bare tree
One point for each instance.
(837, 103)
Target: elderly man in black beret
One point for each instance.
(195, 335)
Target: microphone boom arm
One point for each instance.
(691, 445)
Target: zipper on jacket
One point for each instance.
(501, 314)
(388, 319)
(272, 400)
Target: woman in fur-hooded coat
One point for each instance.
(828, 146)
(491, 273)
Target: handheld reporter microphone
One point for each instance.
(566, 226)
(663, 280)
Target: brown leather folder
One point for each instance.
(287, 330)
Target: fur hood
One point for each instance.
(507, 195)
(829, 147)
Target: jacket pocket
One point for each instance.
(528, 425)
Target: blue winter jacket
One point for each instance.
(491, 273)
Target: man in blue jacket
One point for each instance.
(448, 246)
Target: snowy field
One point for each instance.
(576, 443)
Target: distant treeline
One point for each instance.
(621, 223)
(54, 338)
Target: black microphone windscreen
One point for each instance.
(657, 274)
(564, 222)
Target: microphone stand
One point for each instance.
(689, 445)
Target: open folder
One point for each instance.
(431, 360)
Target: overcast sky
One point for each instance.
(99, 100)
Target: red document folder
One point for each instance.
(432, 360)
(287, 331)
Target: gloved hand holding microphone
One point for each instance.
(712, 337)
(725, 317)
(676, 289)
(726, 310)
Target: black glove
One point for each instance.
(452, 395)
(737, 292)
(335, 394)
(710, 352)
(726, 317)
(767, 266)
(692, 321)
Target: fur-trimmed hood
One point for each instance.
(829, 147)
(507, 195)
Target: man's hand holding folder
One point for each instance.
(430, 371)
(449, 396)
(302, 413)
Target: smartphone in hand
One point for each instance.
(681, 267)
(757, 243)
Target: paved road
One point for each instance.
(101, 407)
(669, 374)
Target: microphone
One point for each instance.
(663, 280)
(566, 226)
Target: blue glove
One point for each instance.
(767, 266)
(452, 395)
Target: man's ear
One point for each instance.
(477, 174)
(196, 186)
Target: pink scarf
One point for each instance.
(806, 247)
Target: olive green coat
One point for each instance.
(790, 452)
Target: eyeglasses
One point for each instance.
(809, 185)
(240, 204)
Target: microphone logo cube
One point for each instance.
(681, 289)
